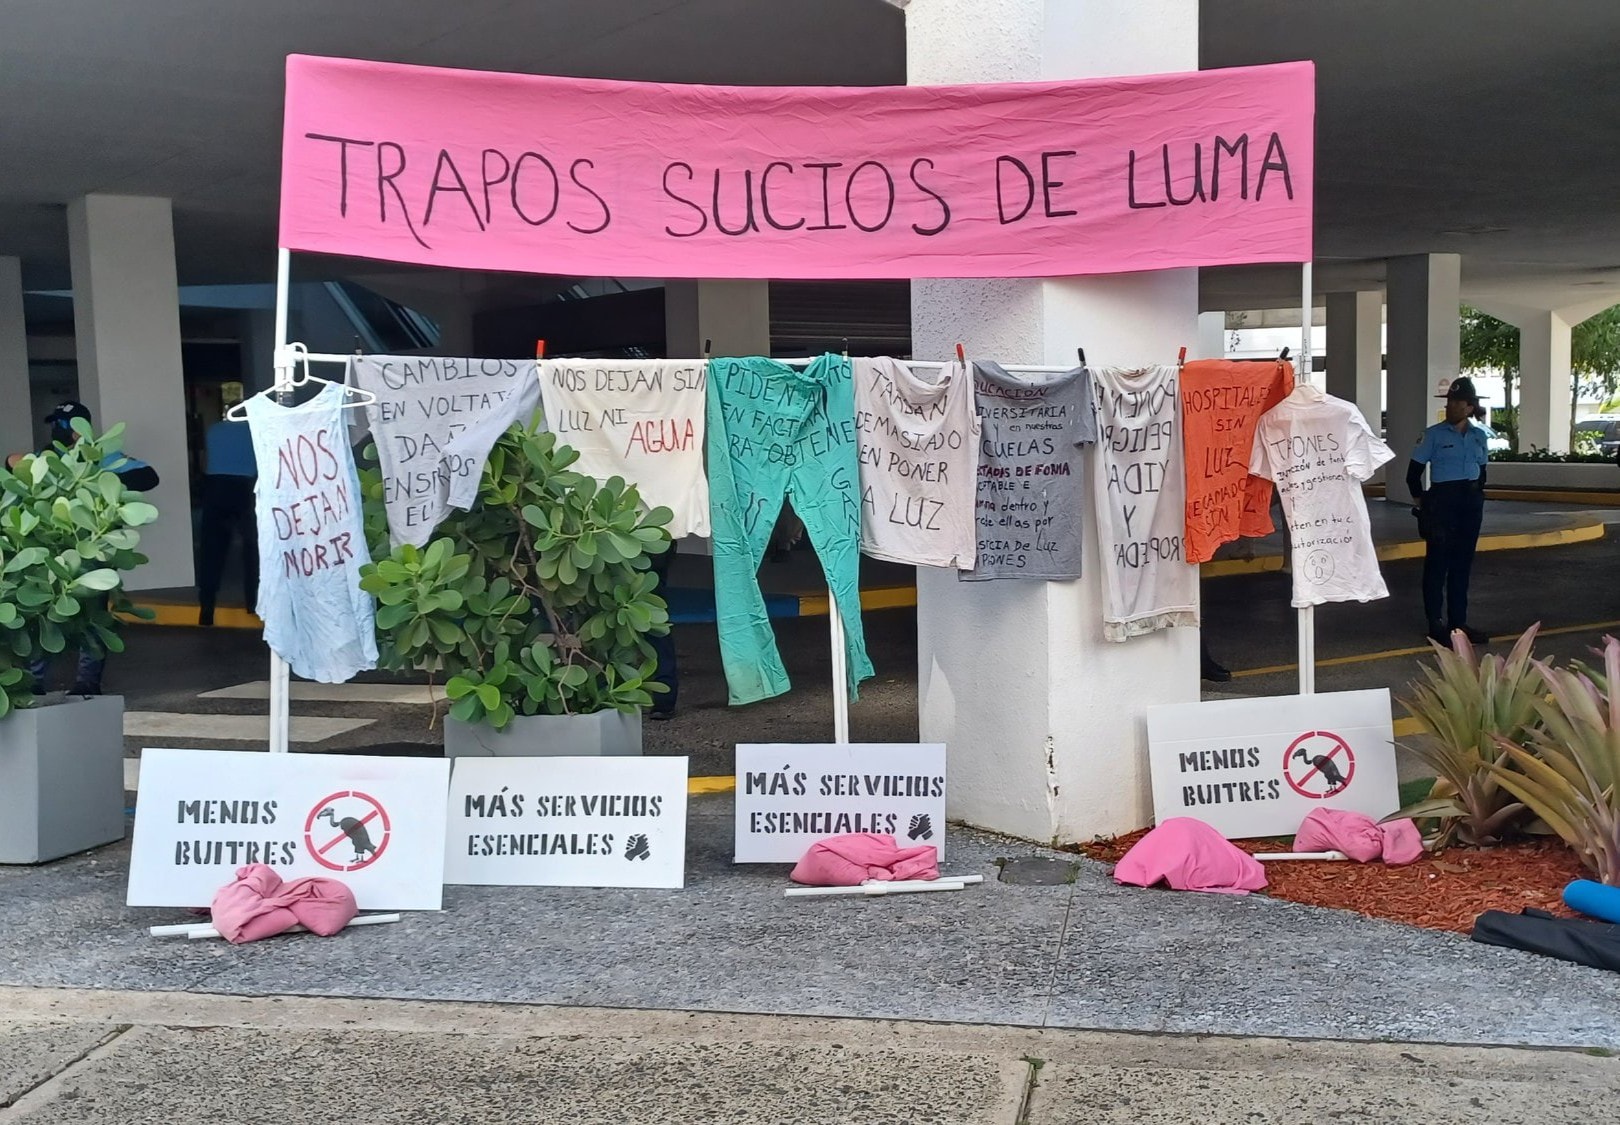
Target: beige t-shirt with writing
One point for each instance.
(637, 419)
(918, 449)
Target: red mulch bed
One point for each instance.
(1443, 891)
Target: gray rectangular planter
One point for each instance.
(61, 778)
(600, 734)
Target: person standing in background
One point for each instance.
(227, 516)
(1450, 511)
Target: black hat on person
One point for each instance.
(62, 417)
(1462, 388)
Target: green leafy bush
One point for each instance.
(538, 600)
(1567, 768)
(67, 534)
(1467, 704)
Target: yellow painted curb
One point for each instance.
(697, 785)
(166, 613)
(1407, 727)
(905, 597)
(886, 597)
(1562, 537)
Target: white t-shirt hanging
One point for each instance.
(1141, 496)
(919, 452)
(642, 420)
(434, 422)
(312, 540)
(1318, 449)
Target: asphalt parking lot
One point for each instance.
(168, 673)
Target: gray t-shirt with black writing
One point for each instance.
(1030, 494)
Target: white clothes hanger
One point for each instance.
(295, 358)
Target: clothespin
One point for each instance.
(846, 347)
(1284, 357)
(1181, 358)
(1081, 352)
(539, 349)
(708, 347)
(358, 350)
(961, 354)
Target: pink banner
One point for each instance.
(587, 178)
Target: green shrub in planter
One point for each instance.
(538, 600)
(67, 532)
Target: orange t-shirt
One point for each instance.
(1221, 404)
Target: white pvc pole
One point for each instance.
(195, 931)
(840, 672)
(1307, 616)
(280, 705)
(874, 890)
(1269, 857)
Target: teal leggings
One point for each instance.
(773, 432)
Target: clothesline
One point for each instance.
(1017, 368)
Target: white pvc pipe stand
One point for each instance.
(280, 705)
(1307, 615)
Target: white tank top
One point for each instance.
(312, 540)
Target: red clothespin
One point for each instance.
(961, 356)
(539, 349)
(1181, 359)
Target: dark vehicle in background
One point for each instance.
(1604, 430)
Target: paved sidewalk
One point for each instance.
(1083, 955)
(89, 1058)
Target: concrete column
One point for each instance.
(17, 419)
(735, 315)
(1044, 720)
(126, 311)
(1545, 381)
(1425, 306)
(1211, 336)
(1355, 352)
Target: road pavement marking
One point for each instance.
(1424, 650)
(153, 725)
(413, 694)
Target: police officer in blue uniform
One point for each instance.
(1450, 510)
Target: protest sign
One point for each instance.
(434, 422)
(1255, 767)
(567, 822)
(1027, 499)
(1140, 490)
(312, 539)
(375, 824)
(1319, 449)
(1221, 405)
(639, 420)
(590, 178)
(789, 795)
(919, 456)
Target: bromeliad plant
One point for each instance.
(67, 532)
(1568, 768)
(1468, 704)
(538, 600)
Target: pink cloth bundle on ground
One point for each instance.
(259, 905)
(1359, 837)
(849, 861)
(1189, 855)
